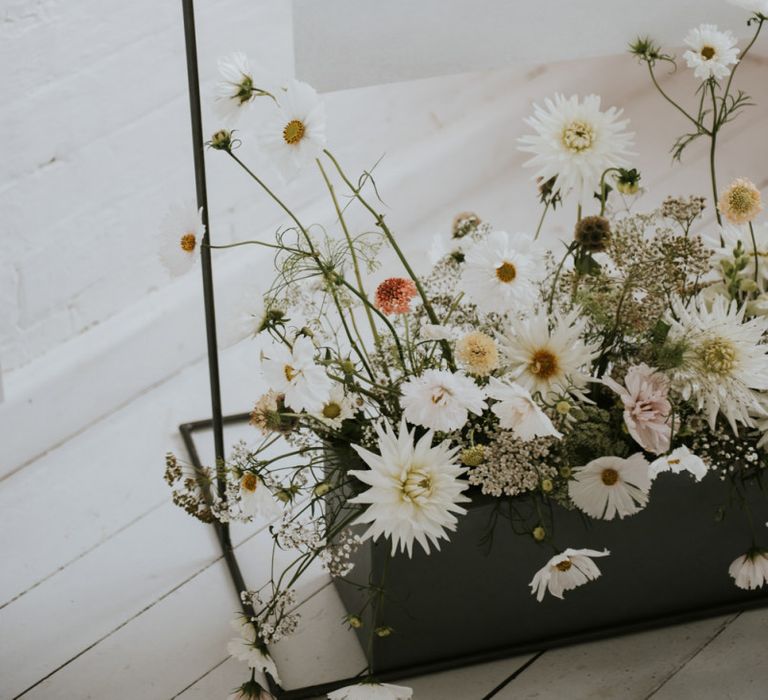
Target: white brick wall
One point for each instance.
(96, 141)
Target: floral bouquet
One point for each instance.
(572, 376)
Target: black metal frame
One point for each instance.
(217, 422)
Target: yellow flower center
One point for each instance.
(564, 565)
(249, 482)
(609, 476)
(742, 199)
(578, 136)
(708, 52)
(188, 242)
(718, 355)
(331, 410)
(543, 364)
(293, 132)
(440, 395)
(506, 272)
(290, 373)
(417, 485)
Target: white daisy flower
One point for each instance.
(501, 272)
(518, 412)
(294, 135)
(566, 571)
(294, 374)
(245, 648)
(372, 691)
(181, 234)
(678, 461)
(237, 87)
(415, 489)
(575, 143)
(751, 570)
(611, 486)
(441, 400)
(549, 361)
(256, 500)
(337, 408)
(725, 362)
(711, 52)
(759, 7)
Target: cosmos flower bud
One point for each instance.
(221, 140)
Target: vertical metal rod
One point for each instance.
(198, 147)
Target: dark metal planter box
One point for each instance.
(471, 602)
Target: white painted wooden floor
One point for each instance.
(108, 591)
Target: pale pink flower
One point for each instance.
(646, 407)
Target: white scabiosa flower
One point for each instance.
(414, 489)
(293, 373)
(724, 363)
(549, 360)
(575, 142)
(751, 570)
(711, 52)
(256, 500)
(294, 134)
(566, 571)
(518, 412)
(181, 234)
(372, 691)
(237, 86)
(759, 7)
(678, 461)
(245, 647)
(337, 408)
(611, 486)
(441, 400)
(501, 272)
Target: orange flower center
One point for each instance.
(188, 242)
(543, 364)
(564, 565)
(708, 52)
(609, 476)
(249, 482)
(506, 272)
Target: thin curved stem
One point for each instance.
(712, 148)
(541, 221)
(699, 127)
(741, 60)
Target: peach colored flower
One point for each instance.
(741, 202)
(393, 295)
(646, 407)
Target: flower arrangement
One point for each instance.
(573, 377)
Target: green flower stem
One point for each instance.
(352, 251)
(541, 221)
(558, 271)
(712, 147)
(698, 125)
(261, 243)
(754, 248)
(393, 242)
(603, 195)
(761, 19)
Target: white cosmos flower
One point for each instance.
(237, 86)
(566, 571)
(759, 7)
(501, 272)
(518, 412)
(294, 373)
(294, 135)
(441, 400)
(245, 648)
(372, 691)
(711, 52)
(549, 361)
(725, 362)
(678, 461)
(256, 500)
(575, 142)
(181, 233)
(750, 571)
(414, 489)
(337, 408)
(611, 486)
